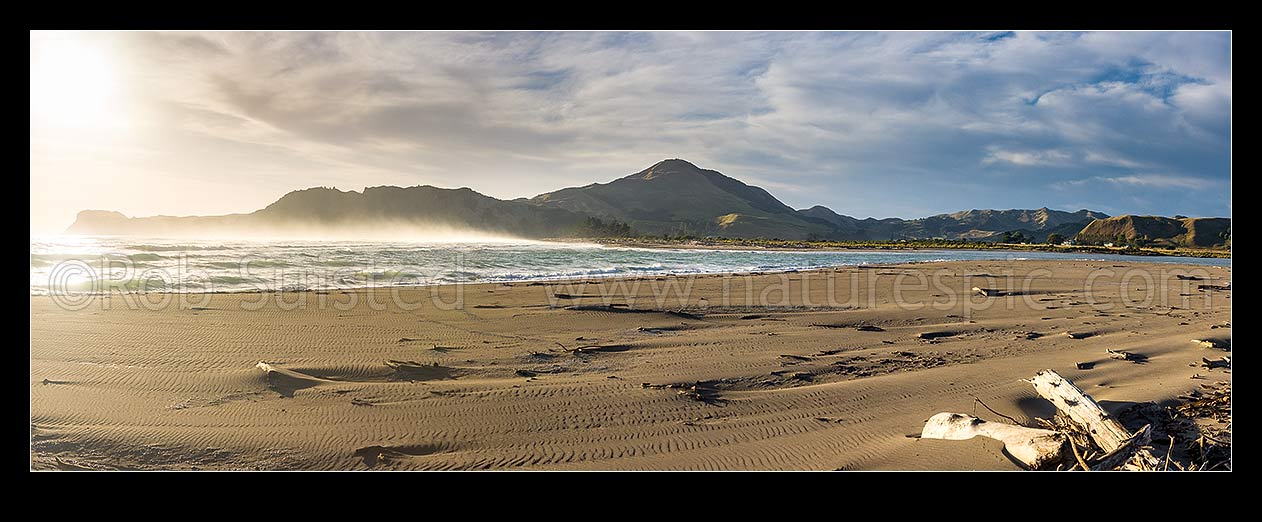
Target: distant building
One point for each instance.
(1068, 242)
(1109, 245)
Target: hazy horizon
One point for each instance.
(868, 124)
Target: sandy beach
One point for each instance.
(820, 370)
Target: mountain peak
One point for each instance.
(674, 163)
(667, 167)
(675, 196)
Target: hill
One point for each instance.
(376, 208)
(671, 198)
(1158, 231)
(423, 205)
(676, 197)
(984, 224)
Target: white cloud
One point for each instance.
(1155, 181)
(1105, 159)
(1163, 181)
(1027, 158)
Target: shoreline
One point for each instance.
(608, 278)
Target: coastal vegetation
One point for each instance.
(919, 244)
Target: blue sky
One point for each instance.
(876, 124)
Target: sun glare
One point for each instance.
(73, 82)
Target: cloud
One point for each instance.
(1155, 181)
(1027, 158)
(1104, 159)
(1161, 181)
(952, 120)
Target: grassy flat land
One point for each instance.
(773, 244)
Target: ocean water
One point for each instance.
(75, 264)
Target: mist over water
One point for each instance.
(236, 227)
(64, 263)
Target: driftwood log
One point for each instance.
(1043, 449)
(1082, 409)
(1034, 447)
(1104, 430)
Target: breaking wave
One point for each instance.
(93, 264)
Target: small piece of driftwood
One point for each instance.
(982, 291)
(1224, 362)
(1036, 448)
(1126, 356)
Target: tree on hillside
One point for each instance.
(596, 227)
(1013, 237)
(1055, 239)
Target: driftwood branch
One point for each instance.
(1034, 447)
(1078, 457)
(1132, 447)
(1126, 356)
(1105, 431)
(1211, 343)
(992, 410)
